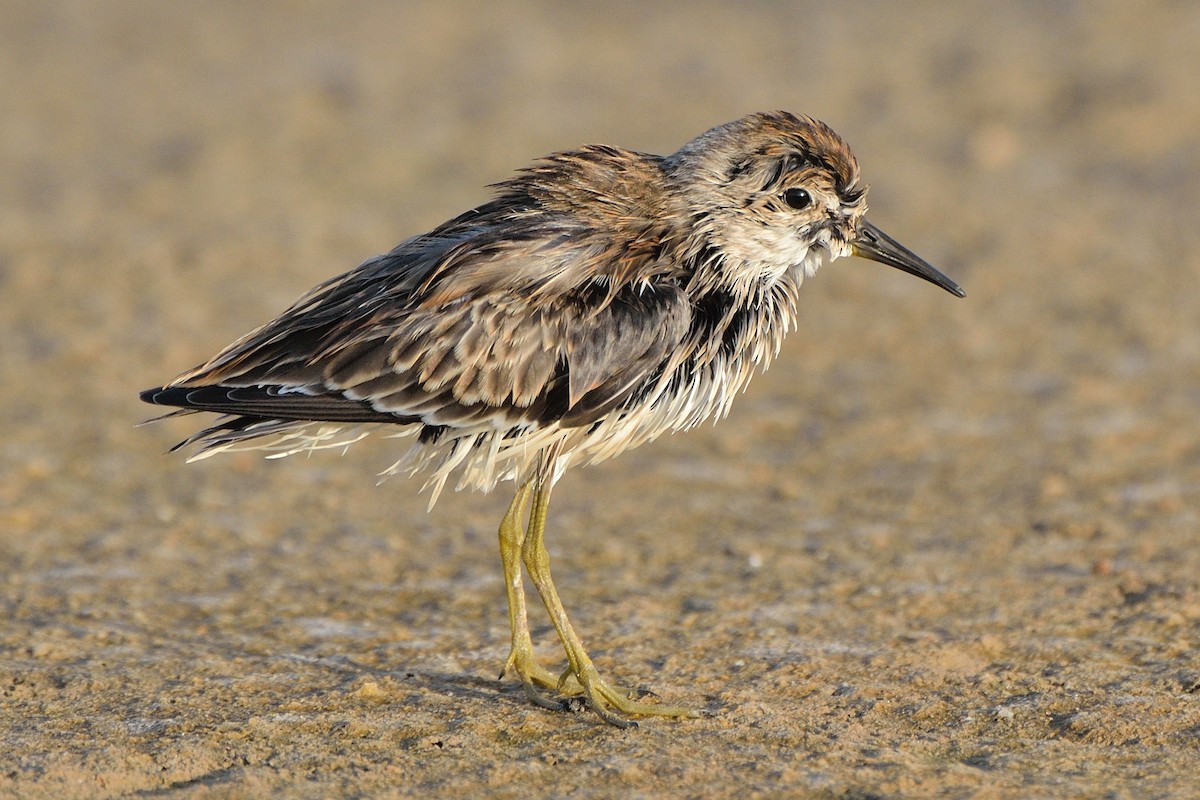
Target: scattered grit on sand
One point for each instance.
(944, 548)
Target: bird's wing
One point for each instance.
(455, 329)
(624, 349)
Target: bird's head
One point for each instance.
(775, 192)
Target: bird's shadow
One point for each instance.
(459, 686)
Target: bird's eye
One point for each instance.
(798, 199)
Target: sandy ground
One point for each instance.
(944, 548)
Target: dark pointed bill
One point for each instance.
(876, 245)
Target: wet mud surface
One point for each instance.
(943, 548)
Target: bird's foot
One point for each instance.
(614, 704)
(570, 691)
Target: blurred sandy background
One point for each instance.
(944, 548)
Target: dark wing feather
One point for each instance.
(267, 402)
(620, 350)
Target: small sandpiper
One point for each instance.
(601, 298)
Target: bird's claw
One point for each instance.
(576, 693)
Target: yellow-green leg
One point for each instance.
(520, 657)
(606, 700)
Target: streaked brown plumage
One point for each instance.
(602, 297)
